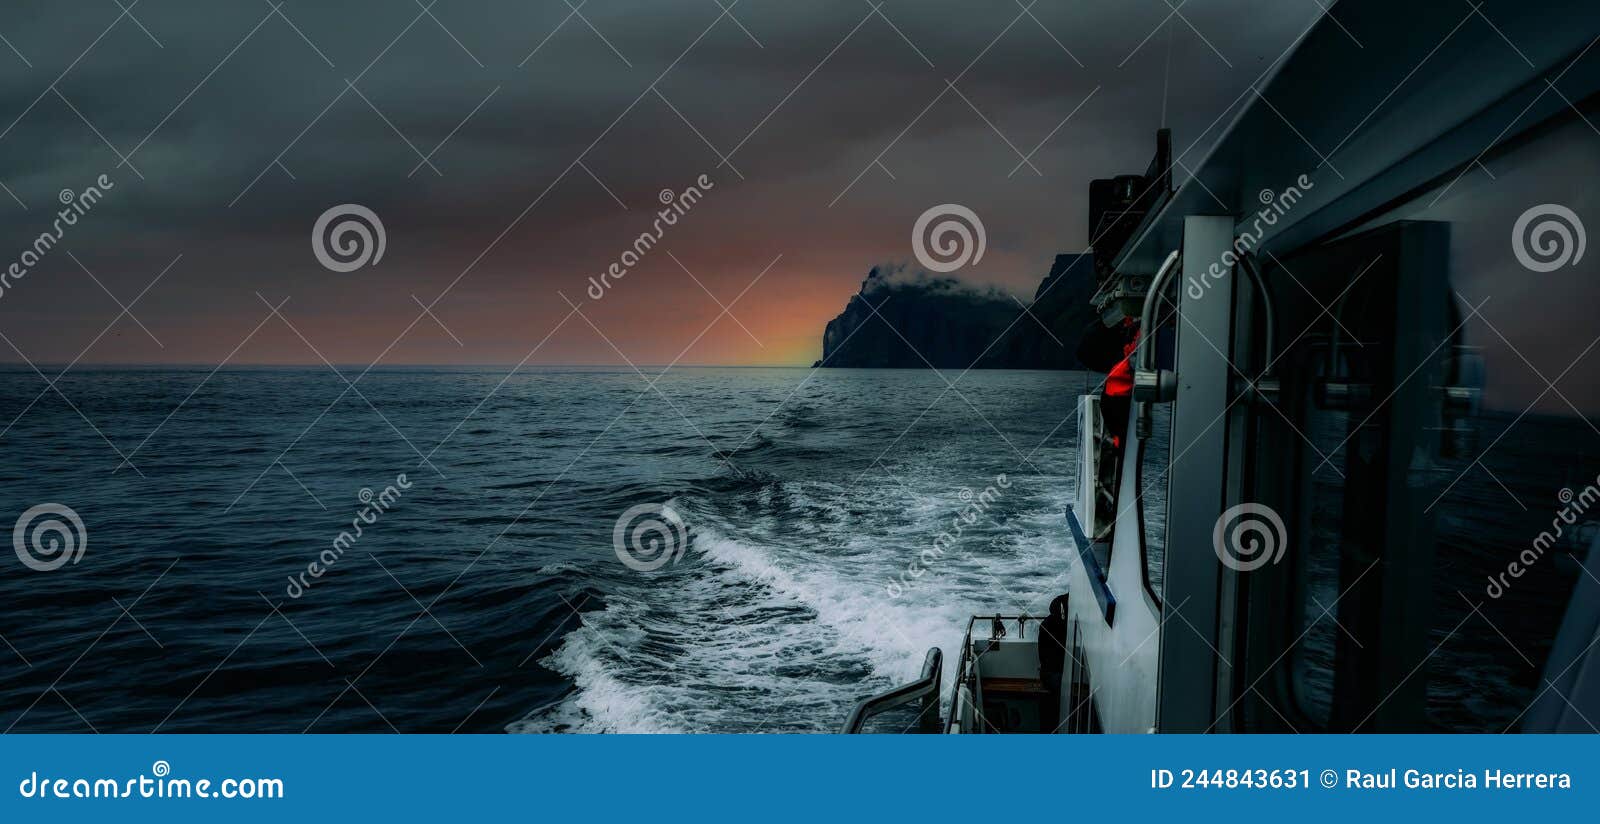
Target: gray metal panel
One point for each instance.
(1427, 91)
(1199, 452)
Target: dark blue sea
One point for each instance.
(485, 592)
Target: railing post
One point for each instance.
(929, 720)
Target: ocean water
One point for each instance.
(804, 495)
(485, 592)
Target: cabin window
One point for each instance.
(1536, 443)
(1153, 485)
(1537, 440)
(1318, 573)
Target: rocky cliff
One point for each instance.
(900, 321)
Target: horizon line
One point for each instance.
(26, 366)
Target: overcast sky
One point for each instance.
(243, 130)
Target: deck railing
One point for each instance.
(924, 689)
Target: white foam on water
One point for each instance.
(781, 615)
(601, 701)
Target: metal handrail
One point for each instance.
(925, 689)
(967, 659)
(1147, 380)
(1146, 360)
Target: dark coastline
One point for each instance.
(897, 322)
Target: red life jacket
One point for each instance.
(1119, 382)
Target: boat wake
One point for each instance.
(781, 614)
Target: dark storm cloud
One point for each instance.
(548, 110)
(829, 86)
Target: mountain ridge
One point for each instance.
(900, 321)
